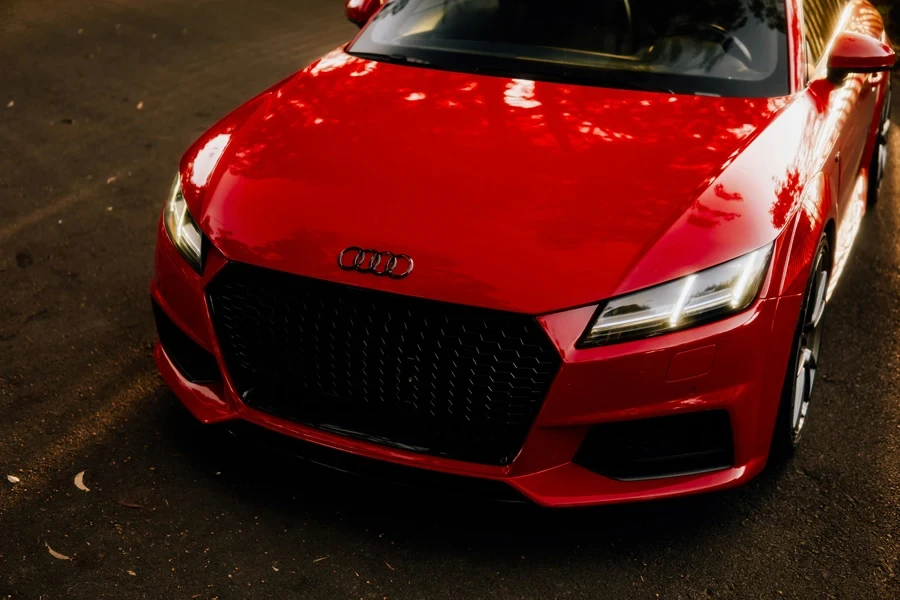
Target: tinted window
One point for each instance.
(726, 47)
(820, 18)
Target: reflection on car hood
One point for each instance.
(511, 194)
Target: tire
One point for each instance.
(793, 410)
(879, 155)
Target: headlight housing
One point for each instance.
(705, 296)
(182, 229)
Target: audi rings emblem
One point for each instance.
(367, 260)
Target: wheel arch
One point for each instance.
(801, 238)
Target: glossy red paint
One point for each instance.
(314, 139)
(543, 199)
(796, 48)
(360, 11)
(860, 53)
(691, 363)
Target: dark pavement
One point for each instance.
(97, 102)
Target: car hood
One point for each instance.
(509, 194)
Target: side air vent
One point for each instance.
(661, 447)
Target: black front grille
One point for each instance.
(426, 376)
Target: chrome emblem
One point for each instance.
(367, 260)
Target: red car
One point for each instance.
(579, 251)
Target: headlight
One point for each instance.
(183, 231)
(704, 296)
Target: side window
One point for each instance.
(820, 18)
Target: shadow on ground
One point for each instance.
(261, 476)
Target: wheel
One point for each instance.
(801, 373)
(879, 156)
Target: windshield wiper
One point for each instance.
(642, 88)
(399, 59)
(628, 85)
(576, 76)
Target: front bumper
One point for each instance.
(735, 365)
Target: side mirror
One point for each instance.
(360, 11)
(858, 53)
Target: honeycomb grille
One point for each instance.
(441, 379)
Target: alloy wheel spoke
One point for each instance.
(799, 392)
(803, 387)
(818, 308)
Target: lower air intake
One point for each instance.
(196, 364)
(661, 447)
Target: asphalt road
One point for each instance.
(97, 102)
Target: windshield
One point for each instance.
(719, 47)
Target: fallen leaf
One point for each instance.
(140, 105)
(56, 554)
(389, 566)
(111, 179)
(13, 479)
(79, 482)
(275, 569)
(132, 573)
(320, 559)
(127, 504)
